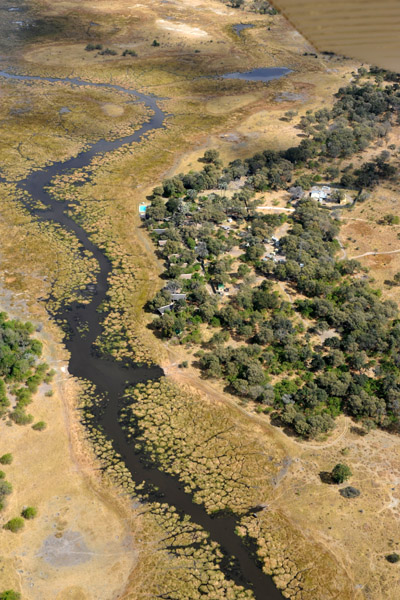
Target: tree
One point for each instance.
(290, 114)
(341, 473)
(211, 157)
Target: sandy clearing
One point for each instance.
(181, 28)
(112, 110)
(374, 254)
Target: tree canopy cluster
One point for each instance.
(21, 372)
(335, 347)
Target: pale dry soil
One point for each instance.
(375, 245)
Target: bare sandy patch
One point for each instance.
(112, 110)
(226, 104)
(181, 28)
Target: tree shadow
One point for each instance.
(326, 477)
(276, 421)
(358, 431)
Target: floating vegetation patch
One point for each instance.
(229, 468)
(189, 564)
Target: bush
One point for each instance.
(341, 473)
(108, 52)
(10, 595)
(14, 525)
(39, 426)
(29, 512)
(2, 474)
(129, 53)
(20, 417)
(155, 43)
(6, 459)
(349, 492)
(5, 488)
(91, 47)
(49, 376)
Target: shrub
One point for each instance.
(6, 459)
(39, 426)
(5, 488)
(10, 595)
(108, 52)
(29, 512)
(91, 47)
(129, 53)
(15, 524)
(49, 376)
(2, 474)
(349, 492)
(155, 43)
(341, 473)
(20, 417)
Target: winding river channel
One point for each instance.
(110, 377)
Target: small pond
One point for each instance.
(261, 74)
(241, 26)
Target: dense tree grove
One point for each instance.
(335, 346)
(20, 372)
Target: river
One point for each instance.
(109, 376)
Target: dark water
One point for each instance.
(110, 377)
(241, 26)
(261, 74)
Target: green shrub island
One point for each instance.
(330, 344)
